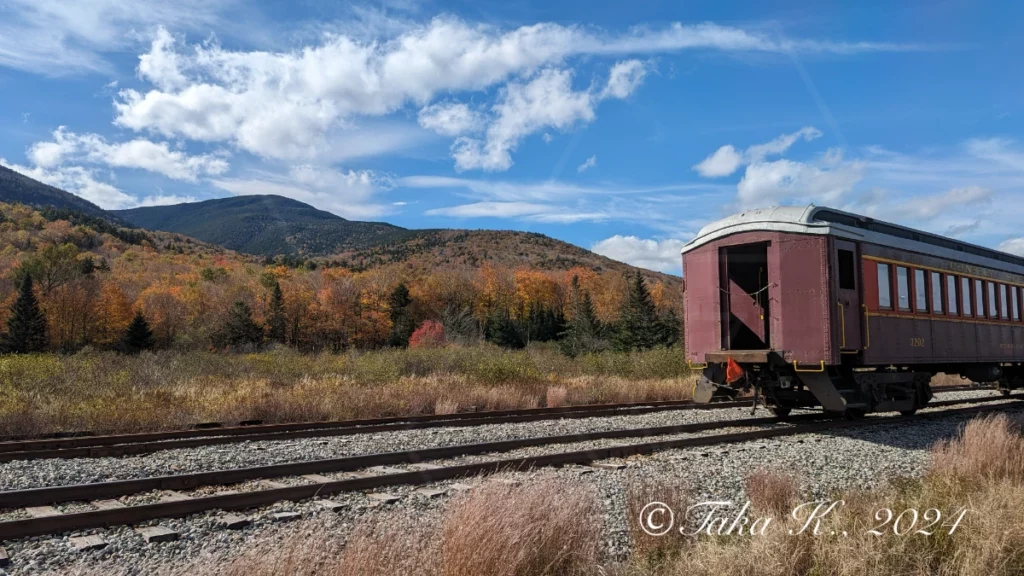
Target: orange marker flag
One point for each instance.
(733, 372)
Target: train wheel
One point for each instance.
(779, 412)
(910, 412)
(1005, 391)
(855, 413)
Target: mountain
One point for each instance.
(18, 188)
(277, 226)
(264, 225)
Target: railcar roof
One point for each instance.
(829, 221)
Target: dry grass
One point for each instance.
(772, 493)
(648, 549)
(981, 471)
(103, 391)
(551, 528)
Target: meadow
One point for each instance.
(103, 391)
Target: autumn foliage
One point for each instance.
(91, 278)
(430, 334)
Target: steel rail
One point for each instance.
(74, 492)
(23, 528)
(115, 488)
(148, 443)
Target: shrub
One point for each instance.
(430, 334)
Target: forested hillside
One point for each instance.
(91, 278)
(265, 225)
(18, 188)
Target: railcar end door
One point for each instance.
(847, 270)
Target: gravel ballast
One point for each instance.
(824, 462)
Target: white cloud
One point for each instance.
(771, 183)
(346, 193)
(723, 162)
(727, 159)
(661, 255)
(165, 200)
(492, 210)
(68, 147)
(79, 181)
(624, 79)
(927, 207)
(587, 165)
(1013, 246)
(286, 104)
(998, 150)
(546, 101)
(450, 118)
(550, 213)
(60, 37)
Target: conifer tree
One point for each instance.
(26, 328)
(583, 332)
(241, 330)
(276, 318)
(138, 336)
(402, 325)
(639, 327)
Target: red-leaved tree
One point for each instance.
(430, 334)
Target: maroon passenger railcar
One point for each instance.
(818, 307)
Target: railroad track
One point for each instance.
(107, 512)
(82, 445)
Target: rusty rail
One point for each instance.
(23, 528)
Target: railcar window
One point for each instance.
(991, 299)
(846, 273)
(884, 287)
(903, 287)
(965, 283)
(920, 292)
(979, 298)
(1003, 304)
(937, 292)
(951, 292)
(1013, 302)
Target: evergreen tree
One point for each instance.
(26, 328)
(639, 326)
(583, 332)
(670, 328)
(241, 330)
(138, 336)
(402, 325)
(504, 331)
(275, 318)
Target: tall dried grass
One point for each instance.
(772, 493)
(980, 470)
(103, 391)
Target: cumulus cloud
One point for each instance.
(929, 206)
(158, 157)
(727, 159)
(546, 101)
(450, 118)
(624, 79)
(661, 255)
(1013, 246)
(285, 105)
(722, 162)
(768, 183)
(587, 165)
(165, 200)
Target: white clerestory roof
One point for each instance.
(829, 221)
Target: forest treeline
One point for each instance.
(91, 283)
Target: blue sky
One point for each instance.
(619, 126)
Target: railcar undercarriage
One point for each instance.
(781, 387)
(853, 391)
